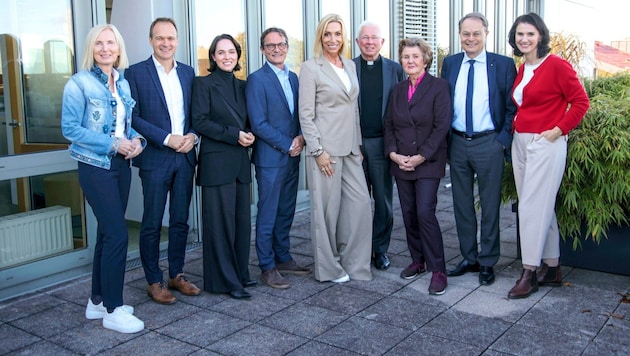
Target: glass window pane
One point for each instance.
(276, 16)
(341, 8)
(213, 18)
(378, 11)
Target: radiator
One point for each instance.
(34, 234)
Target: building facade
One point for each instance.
(47, 229)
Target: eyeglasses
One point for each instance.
(271, 46)
(367, 38)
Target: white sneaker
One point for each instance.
(98, 311)
(120, 320)
(343, 279)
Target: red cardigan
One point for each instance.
(553, 97)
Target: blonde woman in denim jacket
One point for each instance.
(96, 119)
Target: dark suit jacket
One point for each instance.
(392, 74)
(419, 126)
(219, 118)
(501, 74)
(270, 117)
(150, 115)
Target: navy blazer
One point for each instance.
(150, 115)
(419, 126)
(392, 75)
(219, 117)
(501, 75)
(270, 117)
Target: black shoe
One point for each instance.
(381, 261)
(463, 268)
(240, 294)
(486, 275)
(250, 283)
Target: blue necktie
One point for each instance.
(469, 98)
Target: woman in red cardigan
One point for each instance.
(551, 102)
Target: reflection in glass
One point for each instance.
(52, 223)
(276, 16)
(378, 11)
(213, 18)
(341, 8)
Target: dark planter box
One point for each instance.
(611, 255)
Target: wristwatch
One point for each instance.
(318, 151)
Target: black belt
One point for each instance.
(474, 135)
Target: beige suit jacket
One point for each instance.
(329, 115)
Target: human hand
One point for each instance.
(187, 143)
(550, 135)
(325, 164)
(297, 146)
(246, 139)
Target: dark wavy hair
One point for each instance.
(271, 30)
(533, 19)
(213, 48)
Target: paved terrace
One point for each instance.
(387, 316)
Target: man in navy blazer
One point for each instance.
(272, 106)
(377, 76)
(162, 89)
(478, 150)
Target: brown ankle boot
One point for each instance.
(549, 276)
(525, 286)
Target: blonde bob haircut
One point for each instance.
(321, 28)
(88, 56)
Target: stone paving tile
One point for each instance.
(344, 299)
(301, 287)
(47, 323)
(19, 339)
(257, 340)
(599, 280)
(157, 315)
(304, 320)
(540, 340)
(384, 282)
(402, 313)
(194, 271)
(421, 344)
(418, 291)
(204, 352)
(260, 306)
(151, 344)
(364, 336)
(203, 328)
(487, 304)
(318, 348)
(27, 305)
(44, 347)
(468, 328)
(205, 300)
(579, 310)
(91, 338)
(77, 291)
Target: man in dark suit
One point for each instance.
(272, 97)
(481, 135)
(162, 89)
(377, 76)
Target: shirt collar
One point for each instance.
(277, 70)
(158, 65)
(481, 58)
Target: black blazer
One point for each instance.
(218, 118)
(419, 126)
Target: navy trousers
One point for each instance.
(107, 192)
(277, 193)
(175, 177)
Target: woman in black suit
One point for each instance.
(219, 115)
(416, 124)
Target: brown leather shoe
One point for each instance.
(291, 267)
(159, 293)
(525, 286)
(183, 285)
(274, 279)
(549, 276)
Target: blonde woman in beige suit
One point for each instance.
(341, 215)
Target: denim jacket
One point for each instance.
(87, 117)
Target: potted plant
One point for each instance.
(593, 202)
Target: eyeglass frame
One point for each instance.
(271, 46)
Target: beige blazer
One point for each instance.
(329, 116)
